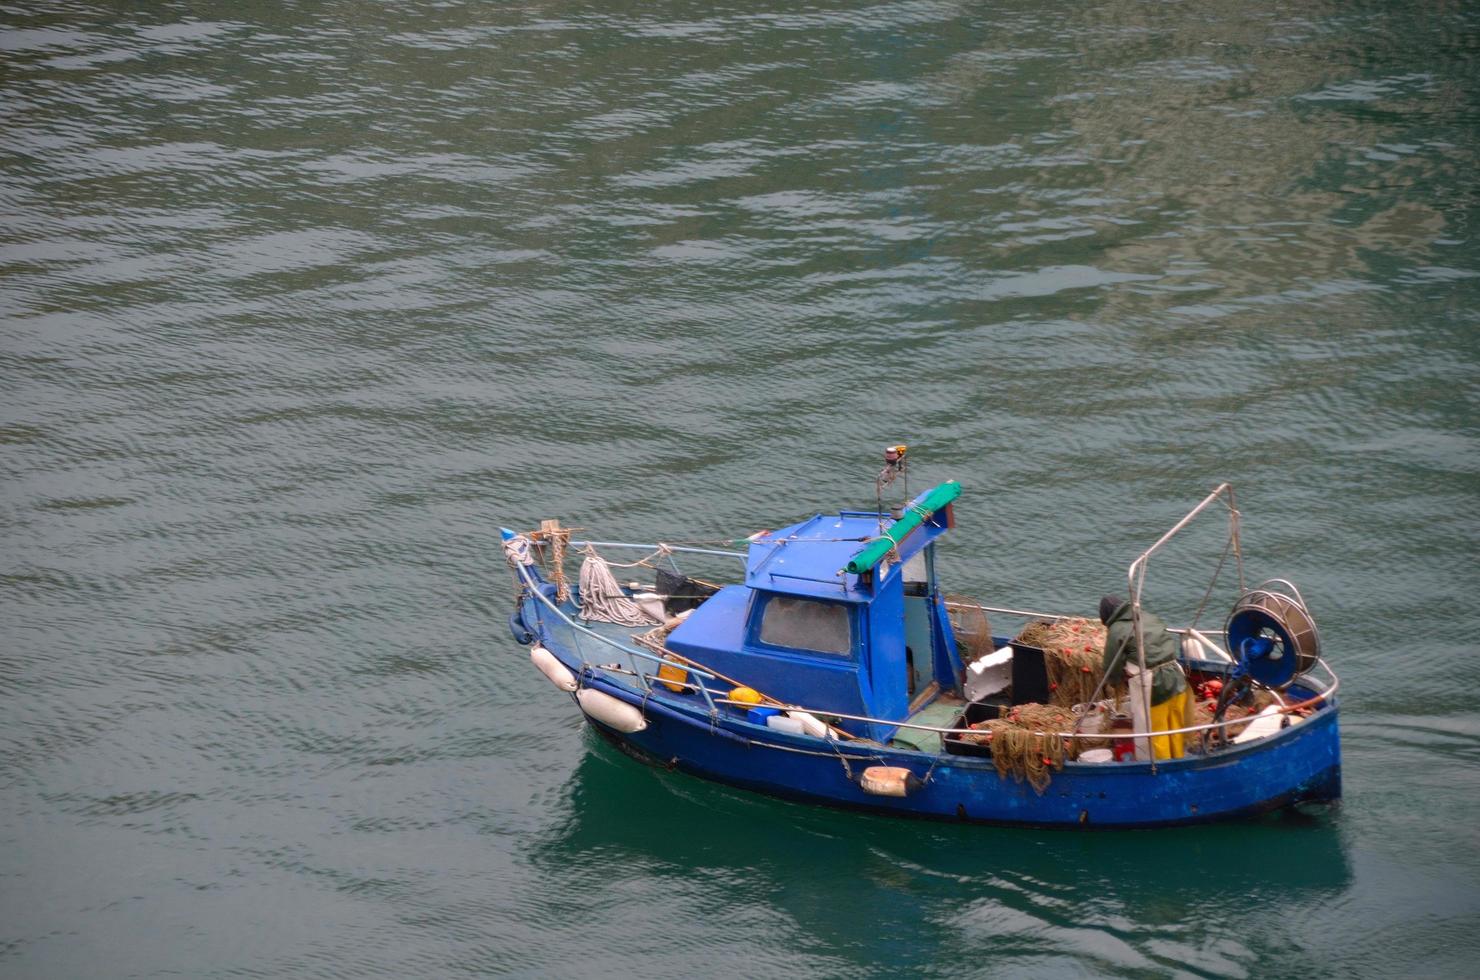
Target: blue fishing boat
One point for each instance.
(833, 669)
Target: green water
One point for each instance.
(299, 302)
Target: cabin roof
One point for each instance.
(809, 558)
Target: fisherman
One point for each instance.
(1162, 679)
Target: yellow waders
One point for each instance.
(1171, 713)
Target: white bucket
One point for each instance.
(811, 724)
(1094, 718)
(1096, 755)
(782, 723)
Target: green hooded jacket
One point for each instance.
(1161, 650)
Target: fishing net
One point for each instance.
(1072, 653)
(681, 593)
(969, 623)
(668, 673)
(1248, 708)
(1025, 742)
(655, 640)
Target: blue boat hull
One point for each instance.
(1300, 764)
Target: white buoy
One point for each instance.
(553, 669)
(610, 711)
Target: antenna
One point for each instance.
(895, 467)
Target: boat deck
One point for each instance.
(938, 713)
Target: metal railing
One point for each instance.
(1324, 693)
(639, 655)
(659, 547)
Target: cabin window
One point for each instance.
(806, 624)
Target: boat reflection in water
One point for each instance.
(659, 846)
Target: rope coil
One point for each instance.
(603, 600)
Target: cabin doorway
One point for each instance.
(919, 627)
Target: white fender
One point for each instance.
(553, 669)
(886, 780)
(610, 711)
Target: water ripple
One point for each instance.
(300, 305)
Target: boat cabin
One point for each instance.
(841, 612)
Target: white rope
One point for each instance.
(602, 598)
(640, 563)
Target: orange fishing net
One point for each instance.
(1072, 651)
(1025, 742)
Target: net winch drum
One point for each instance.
(1272, 633)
